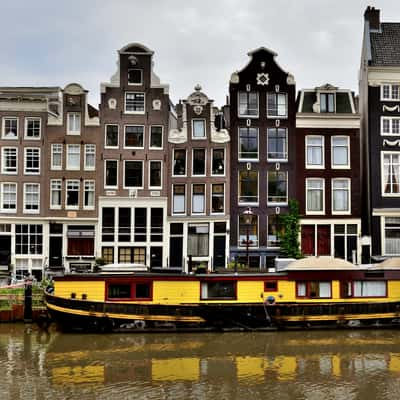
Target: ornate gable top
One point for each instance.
(327, 86)
(260, 49)
(197, 97)
(136, 48)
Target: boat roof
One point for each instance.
(392, 263)
(321, 263)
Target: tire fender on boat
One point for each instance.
(140, 324)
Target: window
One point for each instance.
(31, 197)
(134, 255)
(248, 186)
(55, 193)
(112, 134)
(155, 174)
(217, 198)
(327, 102)
(108, 224)
(88, 195)
(129, 291)
(198, 240)
(392, 236)
(134, 76)
(80, 240)
(277, 105)
(199, 162)
(10, 128)
(249, 231)
(198, 199)
(73, 156)
(179, 162)
(313, 289)
(8, 197)
(346, 241)
(218, 162)
(390, 92)
(156, 224)
(248, 104)
(72, 199)
(369, 289)
(111, 175)
(390, 126)
(90, 157)
(340, 152)
(178, 206)
(73, 123)
(314, 151)
(32, 128)
(134, 103)
(391, 174)
(133, 174)
(28, 239)
(315, 195)
(134, 136)
(277, 144)
(107, 254)
(9, 159)
(32, 161)
(270, 286)
(198, 128)
(140, 224)
(277, 187)
(156, 137)
(248, 143)
(275, 230)
(218, 290)
(124, 224)
(56, 156)
(340, 196)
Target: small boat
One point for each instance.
(311, 292)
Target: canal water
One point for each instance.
(314, 365)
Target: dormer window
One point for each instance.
(199, 129)
(135, 76)
(327, 102)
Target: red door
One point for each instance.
(308, 240)
(324, 240)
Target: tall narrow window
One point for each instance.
(198, 238)
(31, 197)
(199, 162)
(56, 156)
(10, 128)
(218, 162)
(248, 187)
(28, 239)
(111, 173)
(179, 162)
(8, 196)
(155, 174)
(157, 225)
(9, 159)
(134, 136)
(315, 195)
(72, 198)
(248, 104)
(340, 195)
(90, 157)
(134, 103)
(124, 224)
(314, 151)
(277, 187)
(275, 229)
(88, 196)
(55, 193)
(277, 144)
(340, 152)
(133, 177)
(217, 198)
(32, 128)
(140, 224)
(199, 128)
(108, 224)
(73, 156)
(391, 174)
(390, 126)
(277, 105)
(327, 102)
(112, 134)
(198, 199)
(156, 137)
(248, 233)
(32, 161)
(74, 123)
(179, 201)
(248, 143)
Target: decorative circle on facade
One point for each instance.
(262, 79)
(157, 104)
(112, 104)
(198, 109)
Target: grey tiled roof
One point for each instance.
(385, 45)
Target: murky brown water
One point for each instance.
(346, 365)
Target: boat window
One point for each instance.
(119, 291)
(369, 289)
(314, 289)
(270, 286)
(143, 290)
(216, 290)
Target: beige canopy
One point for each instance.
(320, 263)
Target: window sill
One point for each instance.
(248, 116)
(248, 159)
(199, 138)
(7, 211)
(72, 208)
(32, 173)
(9, 173)
(31, 211)
(134, 112)
(340, 166)
(73, 133)
(277, 117)
(55, 207)
(315, 166)
(341, 212)
(32, 138)
(9, 138)
(280, 160)
(111, 147)
(132, 148)
(315, 212)
(155, 148)
(276, 204)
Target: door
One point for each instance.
(176, 252)
(308, 240)
(219, 252)
(55, 253)
(324, 240)
(5, 250)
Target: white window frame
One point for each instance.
(238, 105)
(68, 166)
(211, 197)
(390, 85)
(57, 182)
(205, 162)
(326, 93)
(186, 163)
(272, 116)
(69, 207)
(3, 125)
(383, 236)
(25, 210)
(105, 173)
(53, 146)
(339, 166)
(91, 184)
(3, 158)
(27, 119)
(242, 159)
(173, 212)
(161, 172)
(383, 194)
(105, 137)
(123, 175)
(309, 212)
(26, 149)
(240, 246)
(338, 212)
(212, 158)
(74, 115)
(162, 137)
(286, 142)
(250, 203)
(278, 203)
(315, 166)
(144, 137)
(135, 112)
(87, 147)
(390, 119)
(141, 77)
(204, 199)
(204, 126)
(8, 210)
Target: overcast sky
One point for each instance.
(54, 42)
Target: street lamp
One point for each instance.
(248, 219)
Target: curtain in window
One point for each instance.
(324, 289)
(301, 289)
(369, 288)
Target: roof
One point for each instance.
(323, 263)
(390, 263)
(385, 45)
(92, 111)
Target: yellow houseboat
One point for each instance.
(318, 292)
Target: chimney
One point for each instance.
(372, 16)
